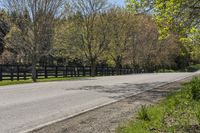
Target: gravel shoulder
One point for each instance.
(106, 119)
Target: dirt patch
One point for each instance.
(106, 119)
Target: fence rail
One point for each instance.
(23, 72)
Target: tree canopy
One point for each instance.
(4, 28)
(180, 17)
(147, 35)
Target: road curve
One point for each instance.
(24, 107)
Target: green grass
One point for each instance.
(178, 113)
(8, 82)
(165, 71)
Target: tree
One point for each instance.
(176, 16)
(145, 50)
(3, 29)
(90, 29)
(120, 27)
(140, 6)
(144, 42)
(180, 18)
(65, 40)
(33, 28)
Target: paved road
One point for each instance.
(23, 107)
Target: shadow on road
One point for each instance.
(126, 89)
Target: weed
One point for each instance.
(195, 89)
(143, 114)
(197, 113)
(179, 112)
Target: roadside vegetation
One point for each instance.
(146, 35)
(191, 68)
(178, 113)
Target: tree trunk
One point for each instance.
(34, 73)
(118, 64)
(117, 67)
(93, 69)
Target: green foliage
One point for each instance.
(94, 35)
(180, 112)
(140, 6)
(178, 16)
(143, 114)
(165, 71)
(195, 89)
(193, 68)
(4, 28)
(197, 113)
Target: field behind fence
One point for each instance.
(23, 72)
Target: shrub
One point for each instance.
(180, 112)
(195, 89)
(197, 113)
(165, 71)
(193, 68)
(143, 114)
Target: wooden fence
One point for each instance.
(23, 72)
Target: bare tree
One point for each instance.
(120, 28)
(90, 28)
(33, 29)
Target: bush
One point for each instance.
(197, 113)
(179, 112)
(165, 70)
(193, 68)
(195, 89)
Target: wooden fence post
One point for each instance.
(56, 74)
(84, 71)
(11, 74)
(101, 71)
(96, 71)
(74, 71)
(45, 72)
(18, 72)
(66, 71)
(112, 71)
(78, 72)
(90, 70)
(1, 73)
(71, 72)
(36, 74)
(24, 75)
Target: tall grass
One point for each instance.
(179, 112)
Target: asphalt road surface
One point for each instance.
(25, 107)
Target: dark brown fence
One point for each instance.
(23, 72)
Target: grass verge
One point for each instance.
(178, 113)
(5, 82)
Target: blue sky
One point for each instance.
(118, 2)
